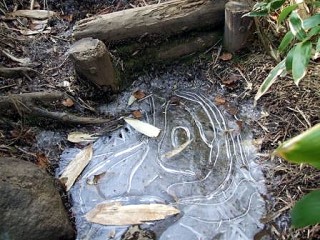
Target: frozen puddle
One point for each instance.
(214, 181)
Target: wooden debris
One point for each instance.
(168, 18)
(36, 14)
(15, 72)
(92, 62)
(116, 214)
(75, 167)
(237, 28)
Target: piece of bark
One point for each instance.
(168, 18)
(237, 28)
(92, 62)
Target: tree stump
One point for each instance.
(92, 62)
(237, 28)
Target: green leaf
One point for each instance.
(295, 24)
(307, 210)
(285, 12)
(289, 59)
(314, 31)
(311, 21)
(275, 4)
(304, 148)
(259, 9)
(301, 58)
(318, 46)
(286, 40)
(261, 13)
(270, 79)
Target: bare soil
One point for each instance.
(284, 112)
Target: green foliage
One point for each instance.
(307, 210)
(304, 148)
(300, 43)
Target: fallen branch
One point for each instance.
(168, 18)
(65, 117)
(15, 72)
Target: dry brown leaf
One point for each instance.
(225, 56)
(137, 114)
(139, 94)
(231, 82)
(76, 166)
(116, 214)
(42, 160)
(219, 100)
(67, 102)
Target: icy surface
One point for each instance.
(214, 180)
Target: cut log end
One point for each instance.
(92, 62)
(237, 28)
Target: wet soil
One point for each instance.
(284, 112)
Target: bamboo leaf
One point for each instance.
(301, 58)
(289, 59)
(307, 210)
(270, 79)
(116, 214)
(285, 12)
(304, 148)
(142, 127)
(78, 137)
(295, 24)
(287, 39)
(75, 167)
(311, 22)
(275, 4)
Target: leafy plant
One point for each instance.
(300, 43)
(304, 148)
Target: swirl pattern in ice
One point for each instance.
(198, 164)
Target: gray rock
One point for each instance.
(30, 205)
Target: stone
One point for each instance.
(30, 204)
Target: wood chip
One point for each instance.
(116, 214)
(76, 166)
(225, 56)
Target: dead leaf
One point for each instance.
(240, 125)
(225, 56)
(95, 179)
(67, 102)
(76, 166)
(231, 82)
(143, 127)
(219, 100)
(137, 114)
(139, 94)
(78, 137)
(231, 109)
(116, 214)
(131, 100)
(176, 150)
(42, 160)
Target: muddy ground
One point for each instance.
(284, 112)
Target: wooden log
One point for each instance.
(92, 62)
(237, 28)
(168, 18)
